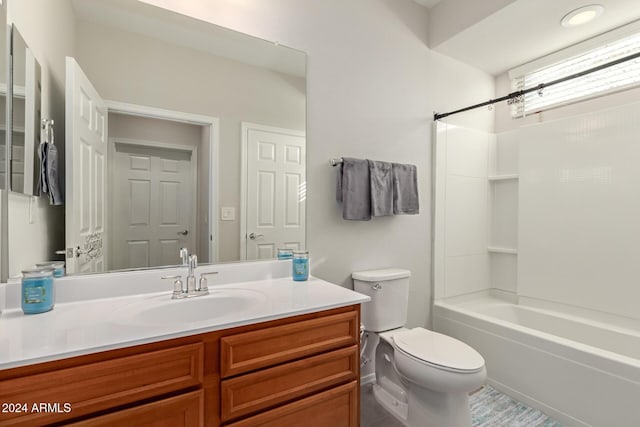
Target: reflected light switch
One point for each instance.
(228, 214)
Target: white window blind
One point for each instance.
(610, 79)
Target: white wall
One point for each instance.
(132, 68)
(372, 88)
(579, 210)
(49, 30)
(463, 210)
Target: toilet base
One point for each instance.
(434, 408)
(395, 407)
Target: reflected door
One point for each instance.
(274, 209)
(152, 205)
(86, 163)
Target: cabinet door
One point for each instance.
(104, 385)
(185, 410)
(337, 407)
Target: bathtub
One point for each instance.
(580, 367)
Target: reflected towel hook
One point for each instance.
(335, 162)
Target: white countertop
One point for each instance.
(88, 326)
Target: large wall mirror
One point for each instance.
(4, 71)
(26, 94)
(179, 133)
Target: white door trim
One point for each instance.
(193, 221)
(213, 123)
(244, 135)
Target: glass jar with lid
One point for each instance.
(58, 267)
(37, 294)
(300, 265)
(285, 253)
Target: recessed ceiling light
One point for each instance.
(582, 15)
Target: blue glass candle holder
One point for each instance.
(300, 266)
(58, 267)
(37, 290)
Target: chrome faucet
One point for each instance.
(191, 278)
(184, 256)
(190, 288)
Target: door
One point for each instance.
(274, 207)
(86, 166)
(153, 204)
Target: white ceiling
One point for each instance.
(173, 28)
(427, 3)
(521, 30)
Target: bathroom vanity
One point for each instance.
(291, 358)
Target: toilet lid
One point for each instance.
(438, 349)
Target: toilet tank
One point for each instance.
(389, 292)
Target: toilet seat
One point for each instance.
(438, 350)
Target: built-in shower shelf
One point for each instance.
(499, 250)
(503, 177)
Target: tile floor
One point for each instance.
(490, 408)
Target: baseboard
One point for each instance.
(368, 379)
(565, 419)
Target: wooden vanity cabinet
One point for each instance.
(303, 370)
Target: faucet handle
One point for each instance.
(178, 289)
(204, 287)
(183, 254)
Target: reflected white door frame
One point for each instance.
(213, 123)
(164, 178)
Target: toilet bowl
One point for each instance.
(423, 378)
(439, 373)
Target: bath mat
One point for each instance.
(491, 408)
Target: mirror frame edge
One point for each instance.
(4, 193)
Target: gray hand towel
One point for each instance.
(43, 186)
(381, 188)
(355, 189)
(55, 194)
(405, 189)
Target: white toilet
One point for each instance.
(423, 378)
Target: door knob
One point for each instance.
(183, 232)
(254, 236)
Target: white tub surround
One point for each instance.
(100, 312)
(581, 367)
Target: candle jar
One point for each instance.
(300, 265)
(58, 267)
(285, 253)
(37, 290)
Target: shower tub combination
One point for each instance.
(578, 366)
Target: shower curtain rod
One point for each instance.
(540, 87)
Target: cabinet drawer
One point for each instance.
(257, 391)
(337, 407)
(249, 351)
(186, 410)
(102, 385)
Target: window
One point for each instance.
(617, 77)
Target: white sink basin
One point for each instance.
(216, 305)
